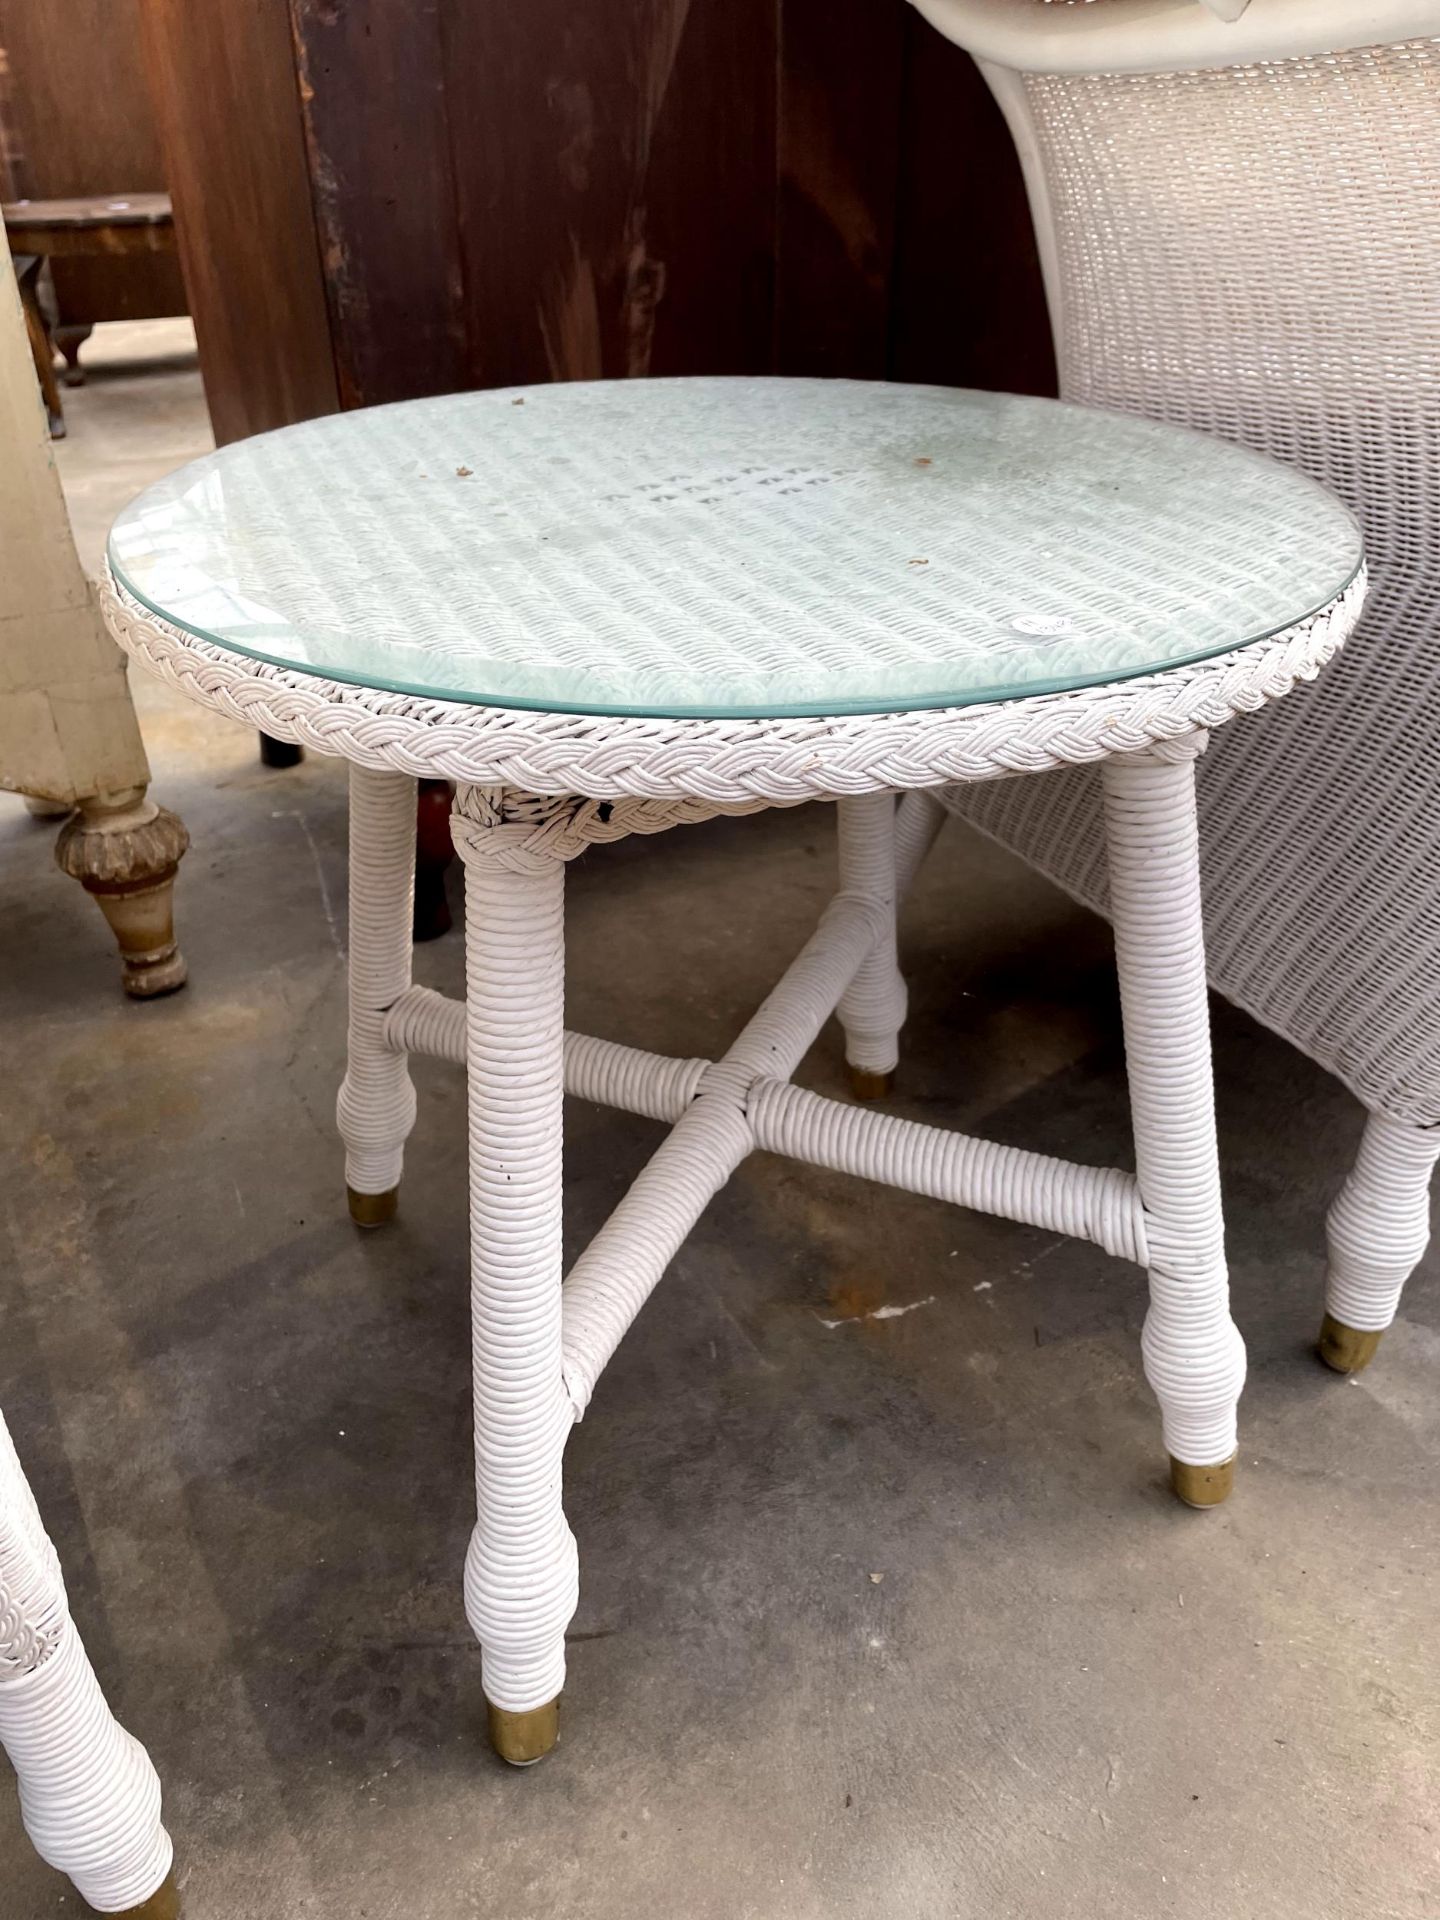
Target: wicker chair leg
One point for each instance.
(376, 1107)
(1378, 1227)
(1194, 1357)
(89, 1796)
(872, 1008)
(521, 1578)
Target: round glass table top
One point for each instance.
(733, 547)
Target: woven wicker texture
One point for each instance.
(541, 1342)
(717, 547)
(89, 1796)
(872, 1008)
(1256, 251)
(33, 1609)
(735, 764)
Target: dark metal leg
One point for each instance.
(434, 851)
(279, 753)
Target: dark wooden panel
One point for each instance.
(700, 234)
(78, 122)
(82, 123)
(838, 162)
(379, 199)
(223, 80)
(614, 175)
(376, 114)
(140, 286)
(966, 296)
(12, 159)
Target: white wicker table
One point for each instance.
(612, 609)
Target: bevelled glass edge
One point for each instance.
(1004, 693)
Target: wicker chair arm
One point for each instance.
(1166, 36)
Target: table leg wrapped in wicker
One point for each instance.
(541, 1339)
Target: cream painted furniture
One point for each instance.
(614, 609)
(89, 1797)
(68, 735)
(1240, 229)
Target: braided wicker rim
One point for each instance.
(776, 761)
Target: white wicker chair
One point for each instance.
(89, 1797)
(1238, 220)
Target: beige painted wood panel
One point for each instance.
(67, 725)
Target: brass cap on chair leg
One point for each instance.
(373, 1209)
(866, 1084)
(1202, 1486)
(524, 1738)
(163, 1904)
(1346, 1349)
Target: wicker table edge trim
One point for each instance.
(750, 762)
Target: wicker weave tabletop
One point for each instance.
(721, 548)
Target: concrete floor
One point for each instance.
(892, 1619)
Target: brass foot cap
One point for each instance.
(1202, 1486)
(1346, 1349)
(373, 1209)
(163, 1904)
(866, 1084)
(524, 1738)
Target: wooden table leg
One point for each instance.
(27, 272)
(70, 340)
